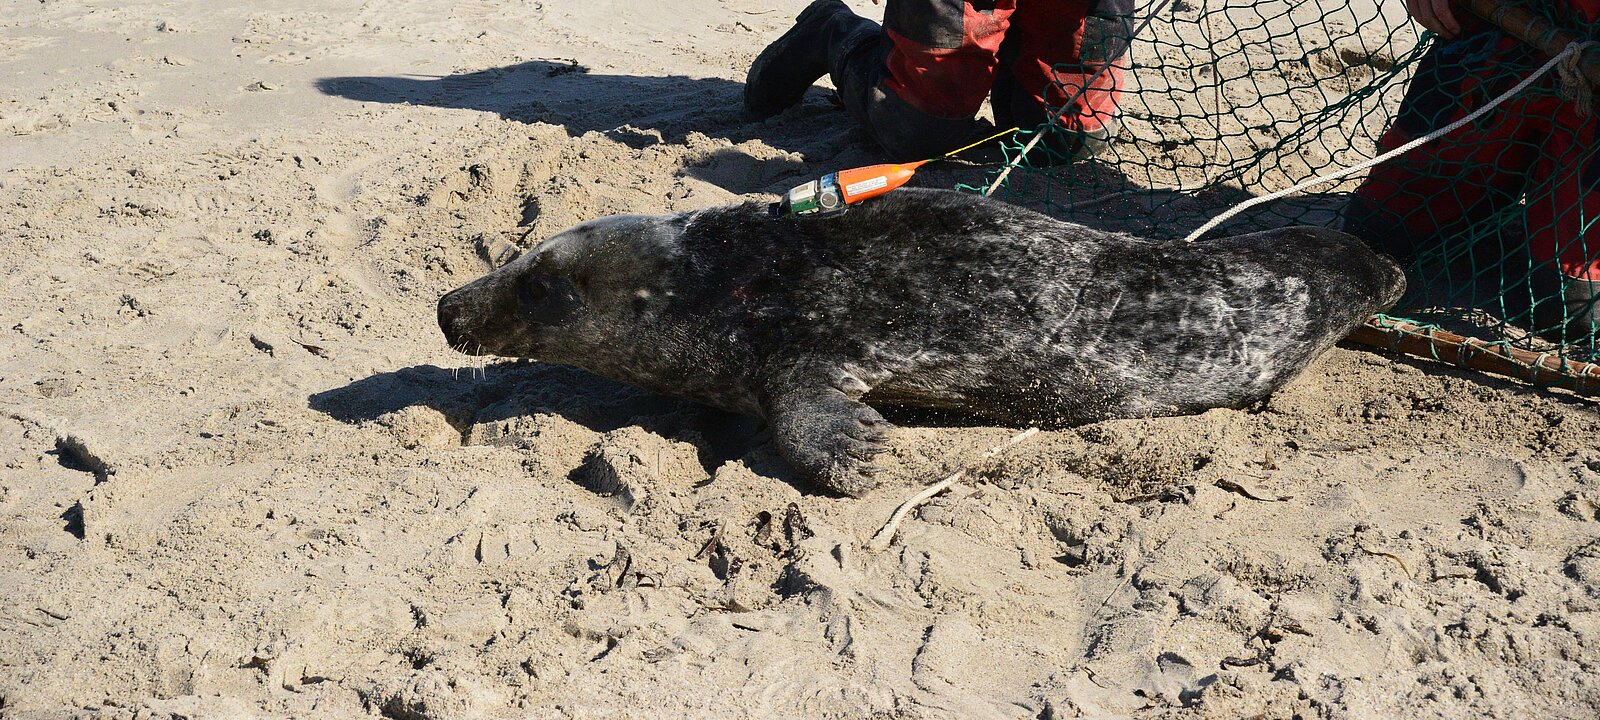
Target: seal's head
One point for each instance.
(586, 288)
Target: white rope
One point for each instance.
(1044, 128)
(1575, 86)
(881, 540)
(1570, 50)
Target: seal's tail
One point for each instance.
(1393, 281)
(1362, 271)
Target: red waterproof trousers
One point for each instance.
(1534, 148)
(946, 55)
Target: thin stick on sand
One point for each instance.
(880, 541)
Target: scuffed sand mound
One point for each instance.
(242, 477)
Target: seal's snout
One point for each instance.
(450, 316)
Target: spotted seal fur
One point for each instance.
(927, 299)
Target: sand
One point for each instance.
(242, 476)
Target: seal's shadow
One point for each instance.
(504, 391)
(468, 397)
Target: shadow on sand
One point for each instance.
(642, 111)
(515, 389)
(637, 111)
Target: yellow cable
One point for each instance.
(1002, 133)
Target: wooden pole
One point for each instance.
(1545, 369)
(1531, 28)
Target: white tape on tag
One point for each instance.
(866, 185)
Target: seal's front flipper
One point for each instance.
(829, 438)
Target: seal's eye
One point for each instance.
(533, 292)
(547, 300)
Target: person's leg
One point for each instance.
(786, 69)
(914, 83)
(1053, 62)
(1436, 192)
(918, 89)
(1564, 228)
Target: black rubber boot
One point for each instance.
(829, 39)
(1564, 308)
(782, 73)
(1582, 300)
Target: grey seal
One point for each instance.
(925, 299)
